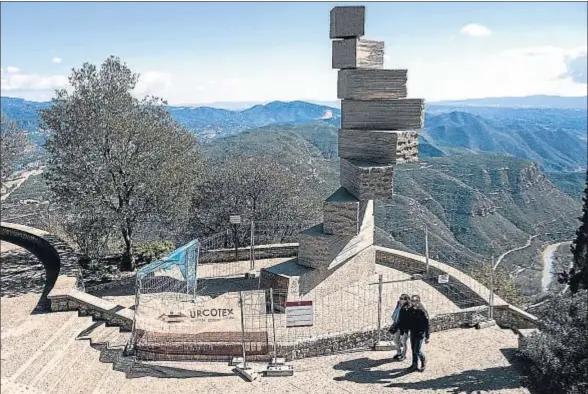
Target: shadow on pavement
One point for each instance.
(470, 381)
(360, 370)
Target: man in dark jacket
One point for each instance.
(417, 321)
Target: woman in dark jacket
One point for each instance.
(417, 321)
(398, 328)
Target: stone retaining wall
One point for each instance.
(509, 316)
(261, 252)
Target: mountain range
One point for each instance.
(555, 138)
(474, 205)
(479, 186)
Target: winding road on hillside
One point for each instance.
(526, 245)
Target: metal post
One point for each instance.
(242, 328)
(252, 251)
(491, 298)
(380, 285)
(273, 324)
(196, 260)
(427, 248)
(235, 238)
(137, 295)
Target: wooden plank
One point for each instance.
(347, 22)
(380, 147)
(363, 84)
(401, 114)
(358, 53)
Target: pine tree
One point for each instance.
(579, 275)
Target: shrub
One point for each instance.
(558, 354)
(151, 251)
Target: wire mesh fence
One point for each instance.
(235, 317)
(249, 246)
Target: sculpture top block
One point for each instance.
(347, 22)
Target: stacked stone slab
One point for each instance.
(379, 129)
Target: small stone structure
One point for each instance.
(379, 129)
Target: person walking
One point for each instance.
(398, 329)
(417, 321)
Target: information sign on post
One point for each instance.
(299, 314)
(443, 278)
(235, 220)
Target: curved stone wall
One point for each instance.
(58, 259)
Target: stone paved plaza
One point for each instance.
(40, 354)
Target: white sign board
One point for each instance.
(443, 278)
(235, 219)
(220, 314)
(299, 314)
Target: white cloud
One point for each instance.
(14, 80)
(576, 68)
(155, 83)
(518, 72)
(56, 60)
(475, 30)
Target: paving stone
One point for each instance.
(347, 22)
(361, 84)
(380, 147)
(358, 53)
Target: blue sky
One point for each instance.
(211, 52)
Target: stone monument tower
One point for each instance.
(379, 129)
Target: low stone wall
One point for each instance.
(99, 309)
(129, 281)
(366, 339)
(508, 316)
(261, 252)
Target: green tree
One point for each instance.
(504, 287)
(13, 145)
(257, 188)
(579, 276)
(559, 352)
(115, 157)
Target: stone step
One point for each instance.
(29, 332)
(61, 377)
(358, 53)
(376, 84)
(347, 22)
(380, 147)
(55, 355)
(90, 373)
(367, 181)
(401, 114)
(84, 373)
(38, 361)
